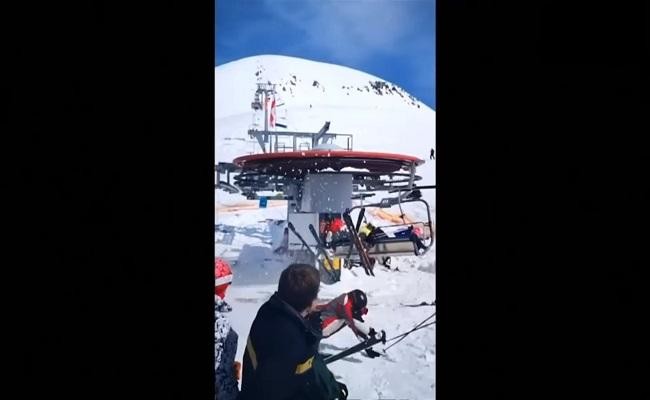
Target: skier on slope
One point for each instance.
(225, 338)
(346, 309)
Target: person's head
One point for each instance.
(222, 277)
(359, 304)
(298, 286)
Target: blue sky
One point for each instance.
(392, 39)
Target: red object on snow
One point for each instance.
(222, 276)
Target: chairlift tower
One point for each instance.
(321, 183)
(263, 94)
(260, 100)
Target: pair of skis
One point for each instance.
(354, 236)
(319, 246)
(371, 341)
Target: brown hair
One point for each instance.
(298, 286)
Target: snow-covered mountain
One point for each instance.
(382, 117)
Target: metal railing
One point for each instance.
(271, 141)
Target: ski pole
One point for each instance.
(407, 333)
(421, 323)
(357, 348)
(321, 249)
(418, 326)
(304, 243)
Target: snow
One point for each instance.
(391, 122)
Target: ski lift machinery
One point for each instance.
(324, 181)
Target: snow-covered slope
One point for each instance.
(382, 117)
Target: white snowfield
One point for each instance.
(393, 122)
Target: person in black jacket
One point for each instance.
(281, 361)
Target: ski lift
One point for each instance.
(389, 246)
(405, 243)
(324, 181)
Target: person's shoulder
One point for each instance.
(343, 298)
(279, 333)
(269, 317)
